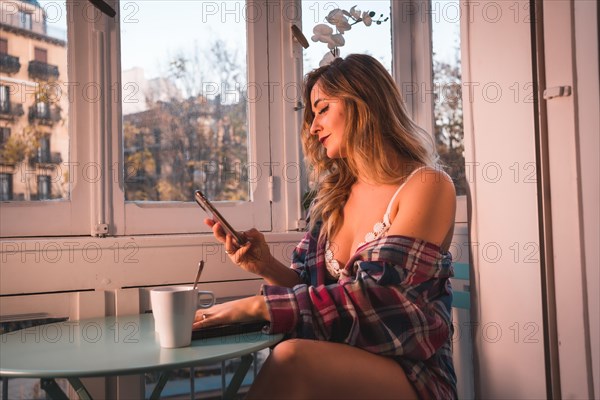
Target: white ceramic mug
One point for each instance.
(174, 308)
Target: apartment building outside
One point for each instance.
(34, 136)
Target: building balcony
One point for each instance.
(46, 158)
(10, 110)
(41, 70)
(9, 64)
(47, 115)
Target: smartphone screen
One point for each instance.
(217, 217)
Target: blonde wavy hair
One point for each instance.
(377, 124)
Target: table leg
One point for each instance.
(5, 388)
(160, 385)
(55, 392)
(80, 389)
(52, 389)
(192, 383)
(223, 378)
(238, 377)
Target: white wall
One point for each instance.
(501, 169)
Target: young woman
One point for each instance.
(366, 303)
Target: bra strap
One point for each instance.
(386, 217)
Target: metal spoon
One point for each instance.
(200, 268)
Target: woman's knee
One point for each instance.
(280, 376)
(288, 353)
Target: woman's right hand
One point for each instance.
(254, 256)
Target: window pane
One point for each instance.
(5, 187)
(447, 84)
(184, 100)
(375, 39)
(33, 101)
(26, 20)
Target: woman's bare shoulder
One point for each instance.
(426, 206)
(430, 179)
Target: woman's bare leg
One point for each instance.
(309, 369)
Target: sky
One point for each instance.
(146, 44)
(154, 31)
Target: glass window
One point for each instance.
(41, 109)
(194, 113)
(184, 101)
(4, 99)
(447, 84)
(43, 153)
(34, 103)
(4, 135)
(6, 187)
(43, 187)
(40, 55)
(375, 39)
(25, 20)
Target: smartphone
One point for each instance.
(217, 217)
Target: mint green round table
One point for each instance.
(116, 346)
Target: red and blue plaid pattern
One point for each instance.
(393, 298)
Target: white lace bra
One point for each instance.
(379, 230)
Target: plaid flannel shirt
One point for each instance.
(393, 298)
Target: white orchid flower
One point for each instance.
(322, 29)
(355, 13)
(329, 57)
(322, 33)
(338, 40)
(367, 18)
(336, 17)
(343, 21)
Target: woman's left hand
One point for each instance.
(248, 309)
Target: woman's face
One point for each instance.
(329, 121)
